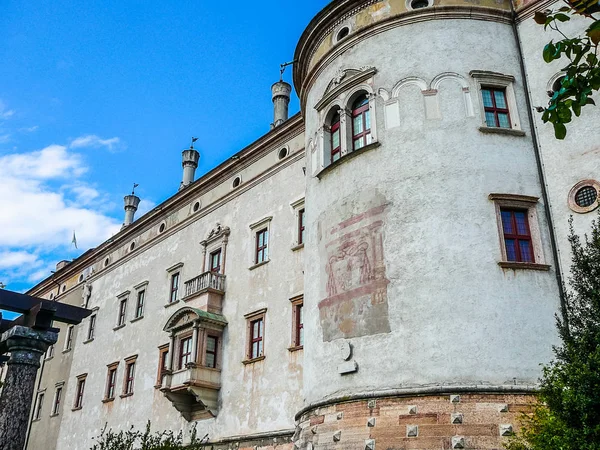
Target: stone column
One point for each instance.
(26, 346)
(195, 344)
(224, 252)
(171, 351)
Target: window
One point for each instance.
(185, 352)
(495, 107)
(301, 227)
(163, 359)
(519, 232)
(215, 261)
(57, 398)
(139, 307)
(361, 122)
(92, 327)
(211, 351)
(50, 352)
(262, 243)
(497, 102)
(256, 340)
(111, 382)
(336, 142)
(129, 376)
(79, 392)
(122, 312)
(517, 235)
(584, 197)
(38, 407)
(174, 287)
(297, 323)
(69, 339)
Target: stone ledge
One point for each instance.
(137, 319)
(523, 266)
(118, 327)
(168, 305)
(252, 361)
(295, 248)
(498, 130)
(296, 348)
(126, 395)
(259, 264)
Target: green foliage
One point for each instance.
(137, 440)
(582, 73)
(568, 417)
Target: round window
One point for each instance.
(64, 288)
(162, 228)
(584, 195)
(51, 295)
(132, 246)
(283, 153)
(196, 207)
(237, 182)
(418, 4)
(80, 278)
(344, 32)
(106, 261)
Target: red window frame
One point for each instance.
(213, 353)
(301, 226)
(139, 307)
(494, 109)
(256, 339)
(299, 325)
(122, 312)
(185, 352)
(129, 378)
(215, 261)
(111, 383)
(80, 390)
(261, 250)
(57, 398)
(360, 111)
(336, 152)
(174, 287)
(516, 236)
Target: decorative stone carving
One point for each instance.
(457, 418)
(412, 430)
(371, 404)
(371, 422)
(340, 416)
(346, 350)
(370, 444)
(412, 409)
(458, 442)
(503, 408)
(337, 436)
(506, 430)
(455, 398)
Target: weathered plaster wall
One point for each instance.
(454, 316)
(577, 157)
(254, 398)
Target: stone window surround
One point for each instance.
(575, 189)
(91, 332)
(341, 97)
(77, 405)
(485, 79)
(70, 336)
(162, 351)
(523, 202)
(39, 404)
(255, 227)
(171, 271)
(123, 297)
(295, 301)
(217, 239)
(143, 286)
(131, 360)
(252, 317)
(58, 398)
(297, 206)
(110, 367)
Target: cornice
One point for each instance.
(290, 129)
(334, 14)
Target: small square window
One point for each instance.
(497, 102)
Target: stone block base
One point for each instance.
(467, 421)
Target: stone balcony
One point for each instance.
(206, 291)
(193, 391)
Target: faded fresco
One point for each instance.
(356, 301)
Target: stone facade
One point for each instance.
(421, 331)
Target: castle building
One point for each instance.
(380, 271)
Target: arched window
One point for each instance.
(336, 142)
(361, 122)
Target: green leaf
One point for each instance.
(562, 17)
(576, 109)
(549, 50)
(540, 17)
(560, 131)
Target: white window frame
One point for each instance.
(120, 298)
(255, 227)
(177, 268)
(139, 288)
(298, 206)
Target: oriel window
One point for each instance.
(211, 351)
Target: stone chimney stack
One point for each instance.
(132, 202)
(281, 100)
(190, 164)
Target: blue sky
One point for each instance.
(95, 96)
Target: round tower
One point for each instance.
(432, 286)
(131, 203)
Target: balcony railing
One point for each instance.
(204, 282)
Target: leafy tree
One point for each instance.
(137, 440)
(568, 417)
(582, 73)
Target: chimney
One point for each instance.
(132, 202)
(61, 264)
(281, 100)
(190, 164)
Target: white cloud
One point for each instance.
(5, 138)
(4, 112)
(94, 141)
(29, 129)
(43, 198)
